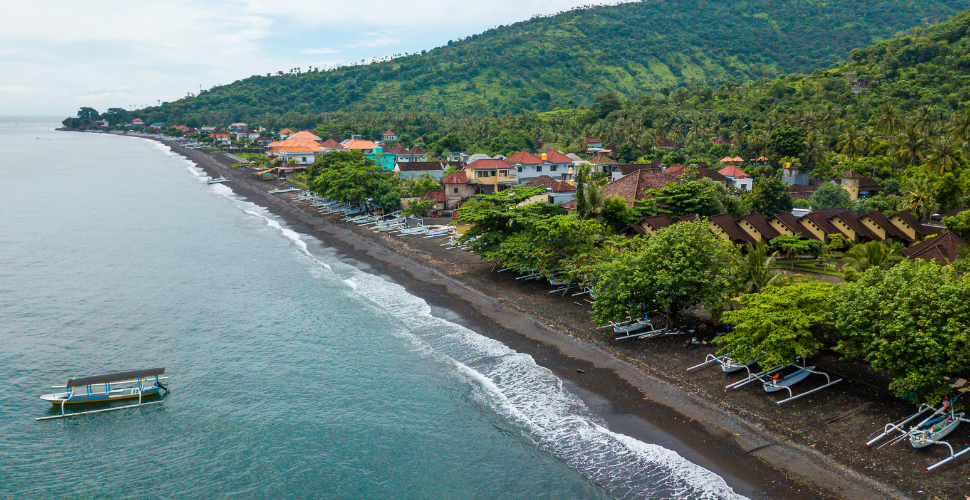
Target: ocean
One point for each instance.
(295, 372)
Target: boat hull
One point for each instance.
(58, 399)
(788, 381)
(937, 432)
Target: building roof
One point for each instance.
(791, 223)
(602, 159)
(303, 134)
(593, 141)
(330, 143)
(657, 222)
(286, 131)
(702, 173)
(489, 164)
(882, 221)
(803, 191)
(397, 150)
(550, 183)
(524, 158)
(728, 225)
(557, 157)
(851, 174)
(636, 185)
(360, 144)
(633, 167)
(761, 224)
(436, 195)
(389, 132)
(456, 178)
(821, 219)
(220, 136)
(853, 222)
(416, 150)
(667, 143)
(909, 218)
(733, 171)
(426, 166)
(575, 157)
(942, 249)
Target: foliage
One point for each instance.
(770, 197)
(912, 321)
(959, 224)
(349, 177)
(787, 141)
(874, 254)
(838, 242)
(829, 195)
(949, 192)
(494, 217)
(757, 268)
(616, 215)
(920, 197)
(791, 244)
(418, 208)
(778, 324)
(682, 265)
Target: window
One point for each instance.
(520, 169)
(456, 190)
(538, 168)
(553, 168)
(304, 159)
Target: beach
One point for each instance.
(810, 448)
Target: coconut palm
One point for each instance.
(850, 143)
(873, 254)
(912, 143)
(920, 195)
(943, 155)
(758, 268)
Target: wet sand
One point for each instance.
(808, 449)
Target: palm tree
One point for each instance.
(868, 256)
(594, 201)
(758, 268)
(920, 197)
(850, 143)
(912, 144)
(960, 127)
(888, 123)
(814, 150)
(943, 155)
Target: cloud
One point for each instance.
(113, 53)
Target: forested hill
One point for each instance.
(545, 62)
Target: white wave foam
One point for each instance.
(532, 397)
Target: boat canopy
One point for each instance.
(115, 377)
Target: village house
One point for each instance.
(557, 191)
(439, 197)
(603, 164)
(285, 133)
(415, 170)
(491, 176)
(137, 122)
(246, 135)
(527, 165)
(221, 138)
(701, 171)
(942, 249)
(457, 188)
(623, 170)
(593, 144)
(356, 143)
(236, 127)
(859, 186)
(389, 136)
(635, 186)
(101, 123)
(305, 135)
(330, 145)
(157, 125)
(738, 178)
(377, 155)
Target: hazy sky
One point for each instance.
(57, 56)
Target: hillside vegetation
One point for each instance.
(545, 62)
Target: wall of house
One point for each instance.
(876, 228)
(846, 230)
(748, 228)
(904, 227)
(781, 228)
(813, 227)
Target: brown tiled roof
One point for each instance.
(803, 191)
(489, 164)
(633, 167)
(685, 218)
(909, 218)
(456, 178)
(416, 150)
(601, 159)
(853, 222)
(397, 150)
(330, 143)
(727, 223)
(954, 213)
(891, 230)
(791, 222)
(593, 141)
(635, 186)
(761, 224)
(657, 222)
(821, 219)
(851, 174)
(557, 157)
(667, 143)
(868, 184)
(426, 166)
(942, 249)
(541, 181)
(524, 158)
(436, 195)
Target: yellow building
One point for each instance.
(492, 176)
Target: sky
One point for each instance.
(57, 56)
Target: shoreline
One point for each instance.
(631, 398)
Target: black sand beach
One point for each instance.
(808, 449)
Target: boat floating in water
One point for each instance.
(107, 388)
(217, 180)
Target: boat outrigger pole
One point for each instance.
(89, 390)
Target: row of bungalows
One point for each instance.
(923, 241)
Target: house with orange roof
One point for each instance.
(527, 165)
(283, 134)
(305, 134)
(331, 145)
(359, 144)
(137, 122)
(491, 176)
(221, 138)
(738, 178)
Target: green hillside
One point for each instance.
(545, 62)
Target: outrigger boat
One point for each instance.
(287, 190)
(107, 388)
(217, 180)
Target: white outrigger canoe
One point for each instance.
(217, 180)
(121, 386)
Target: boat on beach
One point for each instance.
(112, 387)
(217, 180)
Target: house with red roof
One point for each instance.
(137, 122)
(491, 176)
(635, 186)
(389, 135)
(221, 138)
(286, 132)
(737, 178)
(457, 188)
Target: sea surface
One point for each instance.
(294, 371)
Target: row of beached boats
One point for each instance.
(390, 223)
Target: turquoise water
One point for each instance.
(294, 372)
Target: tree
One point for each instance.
(770, 197)
(88, 114)
(949, 192)
(616, 215)
(778, 324)
(920, 197)
(494, 217)
(787, 141)
(581, 177)
(829, 195)
(682, 265)
(959, 224)
(791, 244)
(758, 268)
(861, 258)
(418, 208)
(912, 321)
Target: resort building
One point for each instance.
(457, 188)
(491, 176)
